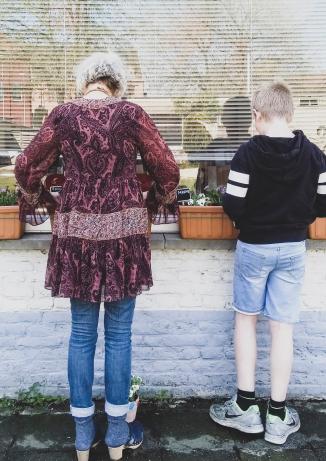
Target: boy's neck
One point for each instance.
(277, 128)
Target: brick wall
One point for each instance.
(182, 329)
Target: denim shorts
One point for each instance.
(268, 279)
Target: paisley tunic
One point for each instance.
(100, 248)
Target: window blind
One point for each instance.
(193, 65)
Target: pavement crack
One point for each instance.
(237, 452)
(11, 444)
(313, 449)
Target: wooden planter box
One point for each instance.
(10, 226)
(206, 222)
(317, 230)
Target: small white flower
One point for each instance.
(202, 201)
(136, 382)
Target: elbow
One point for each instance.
(23, 175)
(171, 181)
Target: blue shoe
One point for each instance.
(86, 437)
(121, 435)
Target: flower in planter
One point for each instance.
(8, 197)
(210, 197)
(136, 382)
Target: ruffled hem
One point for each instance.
(99, 271)
(76, 295)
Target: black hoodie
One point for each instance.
(276, 188)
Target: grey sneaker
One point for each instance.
(230, 415)
(277, 431)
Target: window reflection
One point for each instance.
(192, 67)
(236, 121)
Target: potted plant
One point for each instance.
(10, 226)
(134, 401)
(317, 230)
(204, 217)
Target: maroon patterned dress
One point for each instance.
(100, 249)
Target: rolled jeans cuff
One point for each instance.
(82, 412)
(116, 410)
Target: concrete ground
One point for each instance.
(179, 431)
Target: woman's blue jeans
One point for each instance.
(118, 316)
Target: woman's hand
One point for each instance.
(49, 202)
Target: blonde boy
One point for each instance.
(276, 188)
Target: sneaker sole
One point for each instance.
(278, 439)
(257, 429)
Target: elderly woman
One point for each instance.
(100, 249)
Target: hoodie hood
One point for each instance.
(279, 158)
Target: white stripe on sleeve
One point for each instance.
(321, 190)
(242, 178)
(322, 178)
(237, 191)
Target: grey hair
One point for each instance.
(101, 65)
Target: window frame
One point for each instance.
(2, 92)
(14, 88)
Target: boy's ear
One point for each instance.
(256, 114)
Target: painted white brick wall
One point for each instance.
(183, 280)
(197, 279)
(182, 330)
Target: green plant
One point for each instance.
(7, 404)
(34, 397)
(208, 198)
(136, 382)
(163, 396)
(8, 197)
(31, 397)
(214, 196)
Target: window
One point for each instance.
(193, 65)
(308, 102)
(17, 93)
(2, 92)
(170, 126)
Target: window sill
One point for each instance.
(159, 241)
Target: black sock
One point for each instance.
(245, 399)
(277, 408)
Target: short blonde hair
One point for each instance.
(107, 67)
(274, 100)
